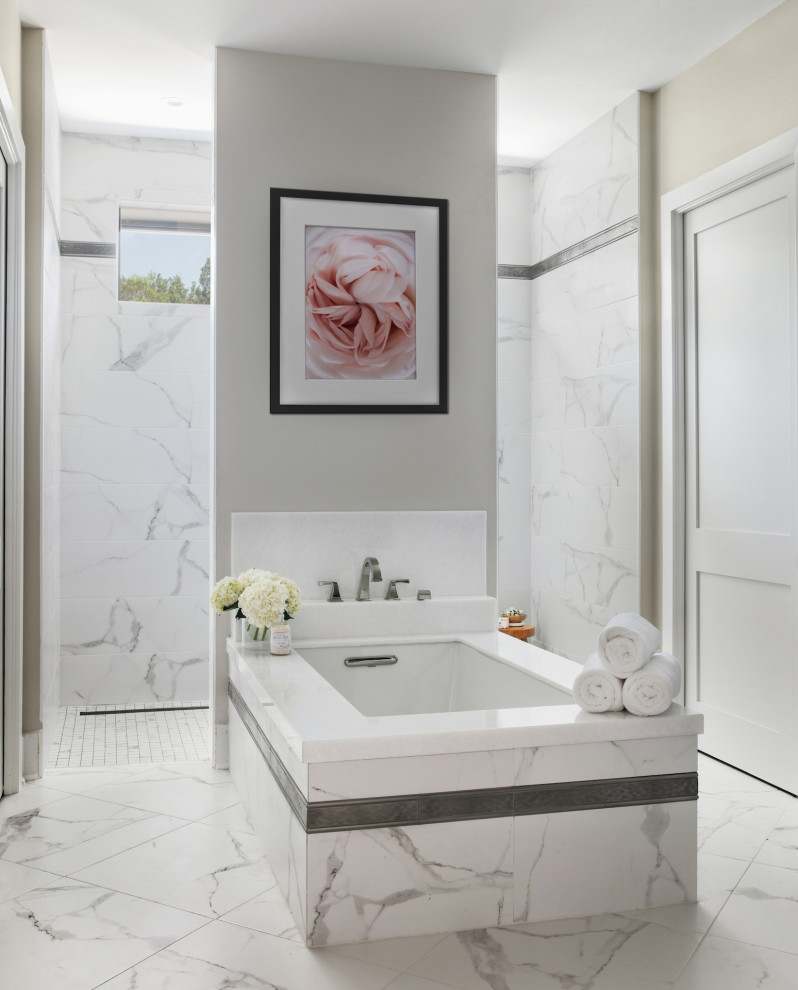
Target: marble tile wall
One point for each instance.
(513, 389)
(50, 686)
(135, 442)
(584, 391)
(588, 184)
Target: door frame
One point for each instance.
(13, 149)
(762, 161)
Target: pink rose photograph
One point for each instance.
(360, 311)
(358, 298)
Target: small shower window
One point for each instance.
(164, 255)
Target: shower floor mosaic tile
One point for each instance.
(123, 735)
(134, 878)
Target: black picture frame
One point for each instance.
(298, 215)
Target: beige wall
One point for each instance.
(33, 55)
(317, 124)
(735, 99)
(10, 51)
(42, 135)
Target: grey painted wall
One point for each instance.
(349, 127)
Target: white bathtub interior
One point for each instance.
(428, 678)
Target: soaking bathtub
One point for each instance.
(405, 786)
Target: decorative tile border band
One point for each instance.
(452, 806)
(295, 798)
(589, 244)
(87, 249)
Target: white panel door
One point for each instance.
(742, 440)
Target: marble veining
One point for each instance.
(134, 625)
(135, 431)
(560, 844)
(134, 512)
(59, 932)
(124, 677)
(421, 881)
(157, 567)
(122, 343)
(584, 373)
(79, 935)
(588, 184)
(514, 350)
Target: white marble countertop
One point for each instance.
(319, 725)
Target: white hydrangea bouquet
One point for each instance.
(262, 598)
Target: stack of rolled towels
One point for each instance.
(626, 671)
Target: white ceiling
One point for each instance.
(561, 63)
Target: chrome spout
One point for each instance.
(370, 571)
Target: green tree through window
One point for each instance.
(155, 287)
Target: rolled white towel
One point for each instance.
(650, 690)
(627, 642)
(596, 689)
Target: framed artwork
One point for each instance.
(359, 303)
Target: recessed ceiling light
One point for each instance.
(172, 101)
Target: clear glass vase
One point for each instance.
(254, 637)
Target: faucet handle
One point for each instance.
(335, 594)
(392, 595)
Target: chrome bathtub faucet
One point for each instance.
(392, 595)
(335, 594)
(370, 571)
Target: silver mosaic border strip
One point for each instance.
(593, 243)
(87, 249)
(283, 779)
(453, 806)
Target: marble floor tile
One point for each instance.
(68, 935)
(222, 957)
(82, 779)
(395, 953)
(16, 879)
(717, 878)
(720, 964)
(197, 868)
(781, 847)
(607, 952)
(234, 817)
(30, 796)
(71, 834)
(763, 909)
(732, 828)
(407, 981)
(187, 790)
(719, 780)
(268, 913)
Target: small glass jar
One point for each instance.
(280, 644)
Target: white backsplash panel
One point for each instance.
(442, 551)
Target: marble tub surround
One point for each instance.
(135, 441)
(291, 700)
(403, 825)
(442, 551)
(730, 939)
